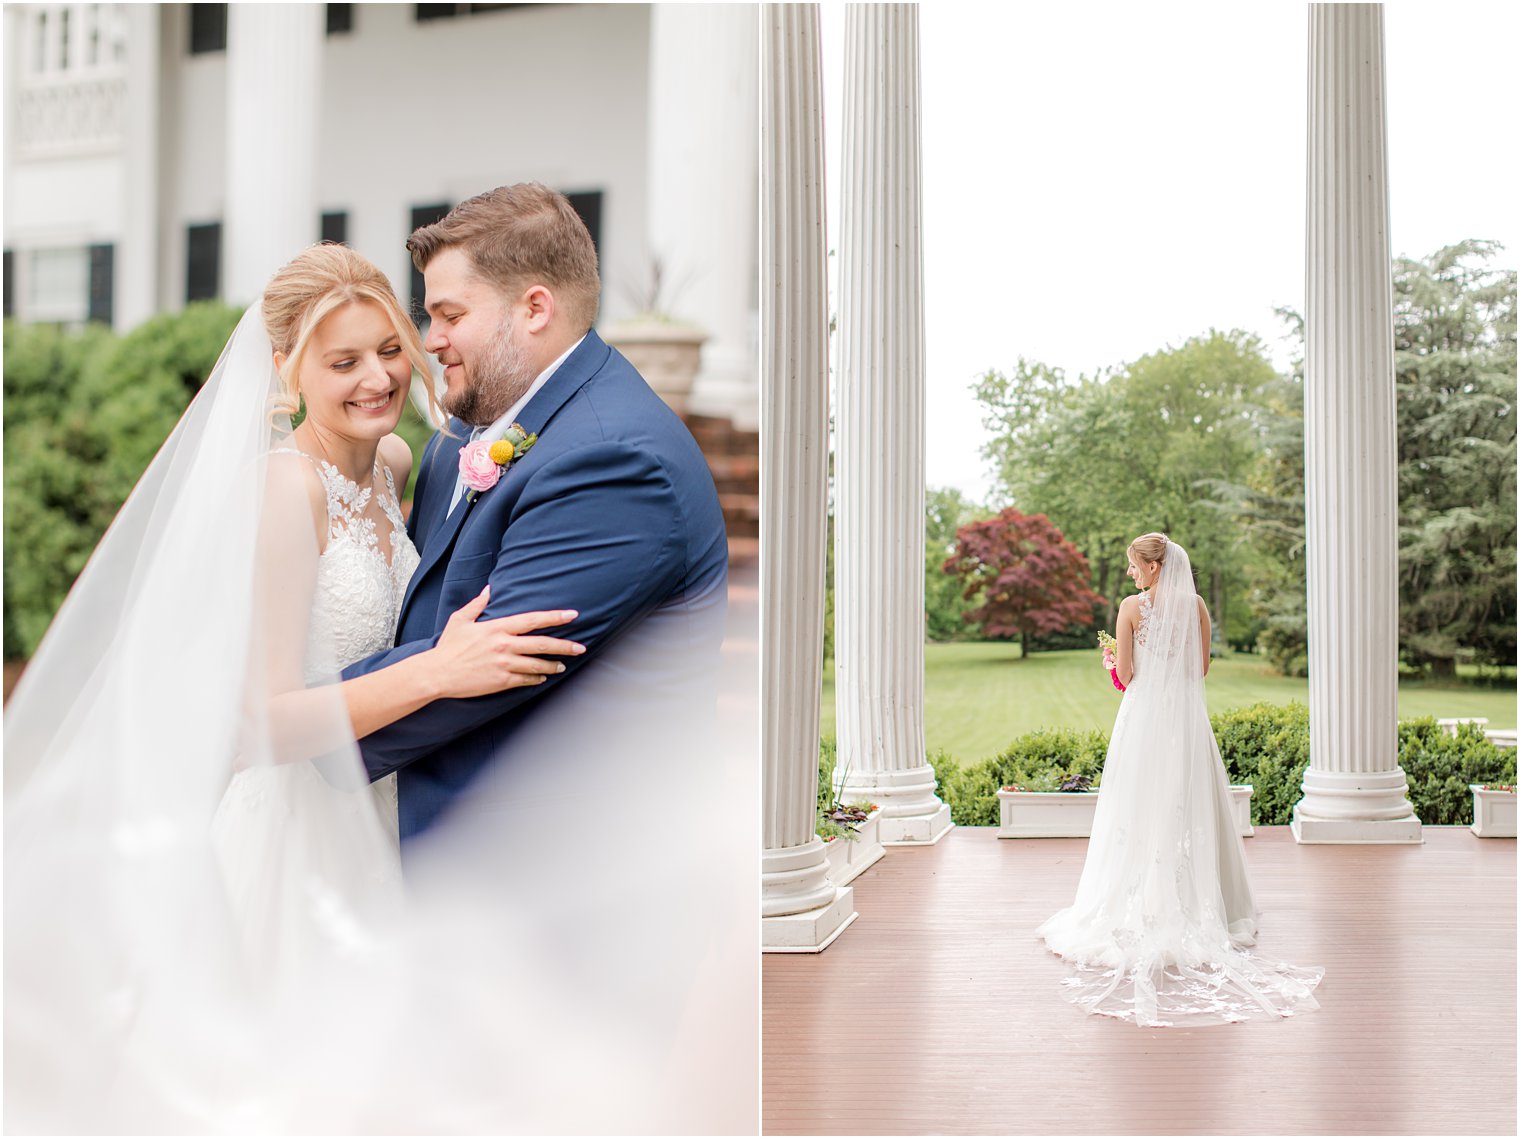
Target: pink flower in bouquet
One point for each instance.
(1110, 649)
(476, 467)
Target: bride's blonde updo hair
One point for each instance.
(321, 279)
(1149, 547)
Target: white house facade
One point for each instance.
(160, 154)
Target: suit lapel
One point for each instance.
(586, 361)
(441, 527)
(436, 530)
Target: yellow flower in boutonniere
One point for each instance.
(482, 464)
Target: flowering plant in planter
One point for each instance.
(843, 819)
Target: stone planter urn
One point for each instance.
(1493, 811)
(1069, 814)
(849, 858)
(667, 353)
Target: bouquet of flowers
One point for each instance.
(1110, 649)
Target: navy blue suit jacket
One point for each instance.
(612, 512)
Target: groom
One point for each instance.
(611, 512)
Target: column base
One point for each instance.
(795, 879)
(1309, 830)
(916, 830)
(812, 931)
(911, 814)
(1355, 807)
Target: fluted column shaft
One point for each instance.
(879, 494)
(702, 173)
(137, 278)
(794, 446)
(274, 85)
(1354, 790)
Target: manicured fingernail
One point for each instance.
(571, 614)
(559, 668)
(579, 649)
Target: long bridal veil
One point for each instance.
(579, 958)
(132, 993)
(1163, 917)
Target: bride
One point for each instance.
(192, 849)
(1161, 928)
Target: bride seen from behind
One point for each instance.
(1160, 929)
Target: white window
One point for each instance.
(58, 285)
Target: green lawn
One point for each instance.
(977, 697)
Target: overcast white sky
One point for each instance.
(1105, 179)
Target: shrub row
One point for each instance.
(1265, 745)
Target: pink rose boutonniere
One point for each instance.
(481, 463)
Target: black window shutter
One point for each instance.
(421, 216)
(335, 227)
(203, 267)
(10, 264)
(589, 206)
(340, 18)
(208, 28)
(102, 282)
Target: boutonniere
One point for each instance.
(481, 464)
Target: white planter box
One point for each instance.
(1069, 814)
(1046, 814)
(847, 858)
(1501, 737)
(1452, 724)
(1240, 799)
(1493, 813)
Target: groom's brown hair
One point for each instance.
(517, 236)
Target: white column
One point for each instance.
(274, 87)
(1354, 790)
(803, 911)
(136, 286)
(879, 498)
(702, 197)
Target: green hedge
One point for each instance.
(1265, 745)
(84, 414)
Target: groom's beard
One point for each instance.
(500, 378)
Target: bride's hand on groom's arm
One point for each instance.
(474, 657)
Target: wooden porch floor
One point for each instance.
(939, 1012)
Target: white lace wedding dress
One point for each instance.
(1163, 917)
(286, 873)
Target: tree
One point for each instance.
(1029, 578)
(946, 509)
(1135, 449)
(1454, 363)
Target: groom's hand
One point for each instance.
(474, 657)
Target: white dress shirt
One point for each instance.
(498, 429)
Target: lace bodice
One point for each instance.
(359, 588)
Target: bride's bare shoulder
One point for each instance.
(396, 454)
(291, 482)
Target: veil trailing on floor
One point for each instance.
(1159, 930)
(589, 931)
